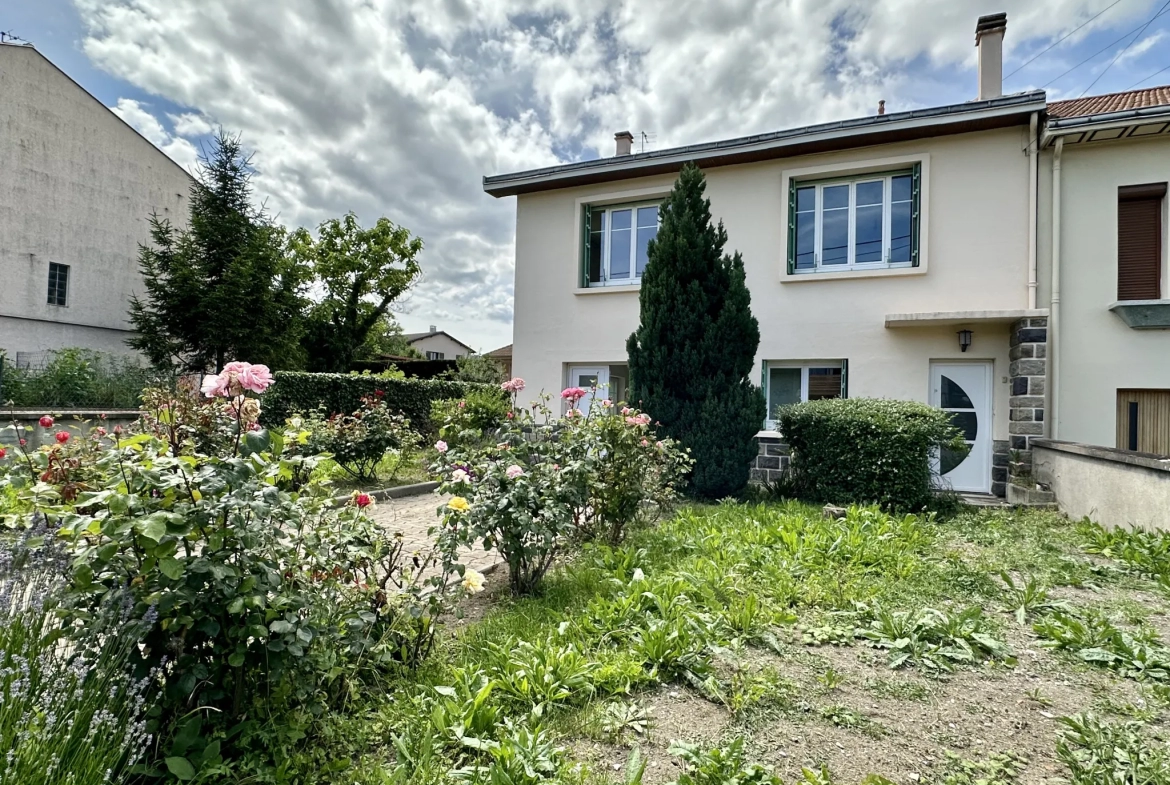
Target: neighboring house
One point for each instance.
(1108, 157)
(887, 256)
(438, 345)
(503, 356)
(79, 188)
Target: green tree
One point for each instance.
(361, 272)
(222, 288)
(386, 338)
(693, 352)
(477, 368)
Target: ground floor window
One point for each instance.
(1143, 421)
(788, 382)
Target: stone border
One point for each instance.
(395, 492)
(1144, 459)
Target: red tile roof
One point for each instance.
(1111, 102)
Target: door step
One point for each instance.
(983, 500)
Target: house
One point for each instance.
(897, 255)
(503, 356)
(435, 344)
(80, 186)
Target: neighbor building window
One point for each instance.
(795, 382)
(436, 356)
(860, 222)
(58, 283)
(616, 240)
(1139, 241)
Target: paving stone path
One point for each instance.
(414, 515)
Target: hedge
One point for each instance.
(338, 393)
(865, 450)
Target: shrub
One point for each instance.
(337, 393)
(359, 441)
(76, 378)
(866, 450)
(265, 598)
(476, 415)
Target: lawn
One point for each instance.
(998, 647)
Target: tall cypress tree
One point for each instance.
(221, 289)
(693, 353)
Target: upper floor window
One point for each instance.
(58, 283)
(436, 356)
(1139, 241)
(616, 240)
(861, 222)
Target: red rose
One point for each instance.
(378, 393)
(46, 421)
(61, 437)
(3, 453)
(23, 442)
(363, 500)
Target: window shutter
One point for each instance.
(844, 378)
(791, 226)
(763, 387)
(585, 224)
(1139, 241)
(915, 212)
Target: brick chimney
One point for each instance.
(989, 32)
(625, 142)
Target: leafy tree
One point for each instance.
(386, 338)
(693, 352)
(477, 368)
(362, 272)
(221, 289)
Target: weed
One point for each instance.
(1093, 638)
(523, 756)
(900, 690)
(1030, 598)
(542, 674)
(1098, 753)
(618, 719)
(1037, 696)
(725, 765)
(845, 717)
(1000, 768)
(749, 691)
(932, 639)
(831, 679)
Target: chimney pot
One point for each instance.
(434, 329)
(625, 142)
(989, 32)
(882, 106)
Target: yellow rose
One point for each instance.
(472, 581)
(458, 504)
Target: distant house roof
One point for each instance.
(502, 352)
(412, 337)
(1110, 103)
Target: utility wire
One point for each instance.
(1127, 46)
(1063, 37)
(1099, 51)
(1148, 78)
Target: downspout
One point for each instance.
(1054, 315)
(1033, 186)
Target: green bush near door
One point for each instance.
(858, 450)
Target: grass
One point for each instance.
(764, 641)
(393, 470)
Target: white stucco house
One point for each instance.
(436, 344)
(79, 188)
(898, 255)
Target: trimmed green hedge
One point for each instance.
(864, 450)
(339, 393)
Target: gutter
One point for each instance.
(1054, 341)
(766, 145)
(1033, 187)
(1054, 128)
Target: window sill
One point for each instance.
(624, 288)
(845, 275)
(1143, 314)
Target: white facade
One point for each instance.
(79, 188)
(437, 345)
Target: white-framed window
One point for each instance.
(615, 240)
(790, 381)
(859, 222)
(436, 356)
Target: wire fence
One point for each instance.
(72, 378)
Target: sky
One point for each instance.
(398, 108)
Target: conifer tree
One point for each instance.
(222, 288)
(693, 352)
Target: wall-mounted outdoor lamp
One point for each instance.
(964, 339)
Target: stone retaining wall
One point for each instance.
(771, 462)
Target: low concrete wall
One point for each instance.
(1111, 487)
(77, 422)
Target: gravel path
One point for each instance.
(414, 515)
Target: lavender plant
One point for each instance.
(70, 712)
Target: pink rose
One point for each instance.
(256, 378)
(3, 453)
(100, 431)
(607, 403)
(362, 500)
(214, 386)
(441, 446)
(626, 410)
(459, 475)
(46, 421)
(573, 394)
(513, 471)
(573, 413)
(513, 385)
(61, 437)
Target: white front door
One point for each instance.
(964, 390)
(594, 380)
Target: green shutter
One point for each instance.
(915, 212)
(791, 226)
(844, 378)
(585, 222)
(764, 387)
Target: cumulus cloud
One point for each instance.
(398, 107)
(144, 122)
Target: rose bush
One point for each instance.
(540, 482)
(265, 597)
(359, 441)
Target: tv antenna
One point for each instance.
(646, 139)
(8, 37)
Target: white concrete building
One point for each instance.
(436, 344)
(79, 188)
(899, 255)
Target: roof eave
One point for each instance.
(858, 132)
(1069, 125)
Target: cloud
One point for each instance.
(398, 107)
(141, 120)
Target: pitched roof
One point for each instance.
(503, 351)
(1110, 102)
(412, 337)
